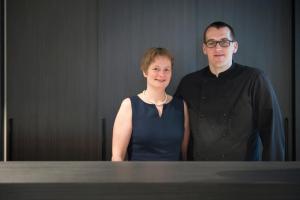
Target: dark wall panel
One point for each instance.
(52, 80)
(263, 30)
(297, 76)
(1, 78)
(128, 27)
(72, 62)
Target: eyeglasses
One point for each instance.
(222, 43)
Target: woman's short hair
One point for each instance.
(151, 54)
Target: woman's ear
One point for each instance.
(145, 74)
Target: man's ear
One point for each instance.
(235, 46)
(204, 48)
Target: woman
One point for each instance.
(152, 125)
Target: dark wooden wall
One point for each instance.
(53, 80)
(1, 78)
(263, 30)
(71, 62)
(297, 78)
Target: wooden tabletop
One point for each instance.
(150, 180)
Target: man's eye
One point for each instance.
(224, 41)
(211, 43)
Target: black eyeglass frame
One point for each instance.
(219, 42)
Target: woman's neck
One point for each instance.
(157, 97)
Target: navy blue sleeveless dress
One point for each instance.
(154, 137)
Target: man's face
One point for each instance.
(219, 57)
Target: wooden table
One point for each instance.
(149, 180)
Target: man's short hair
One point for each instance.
(219, 24)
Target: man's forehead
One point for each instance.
(219, 33)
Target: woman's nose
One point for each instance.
(162, 73)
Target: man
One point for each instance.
(232, 107)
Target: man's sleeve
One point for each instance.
(178, 92)
(268, 119)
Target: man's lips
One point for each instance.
(219, 55)
(160, 80)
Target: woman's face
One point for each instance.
(159, 72)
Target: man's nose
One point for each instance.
(218, 46)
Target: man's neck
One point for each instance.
(216, 70)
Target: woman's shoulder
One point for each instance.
(126, 103)
(130, 99)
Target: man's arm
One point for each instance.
(268, 119)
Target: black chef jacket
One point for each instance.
(230, 115)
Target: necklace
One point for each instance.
(152, 102)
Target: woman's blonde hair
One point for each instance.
(151, 54)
